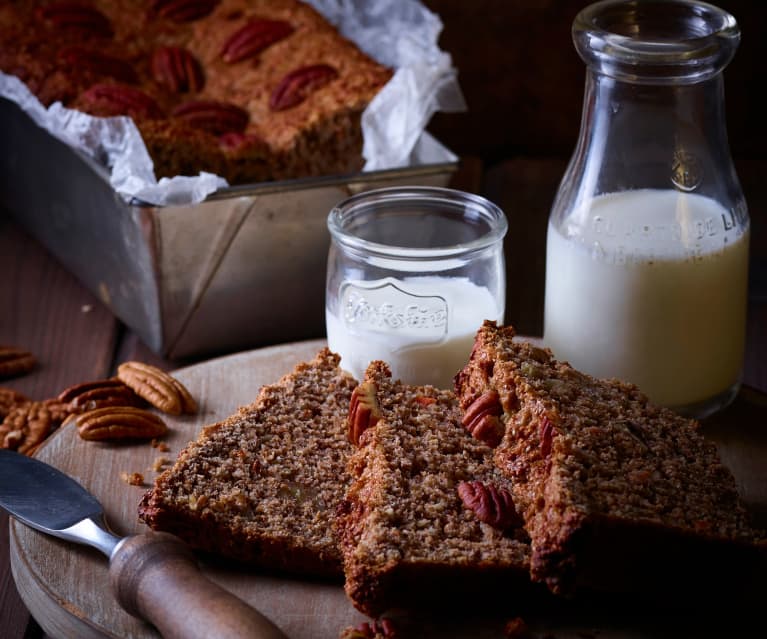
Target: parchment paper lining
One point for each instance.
(401, 34)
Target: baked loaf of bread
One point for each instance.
(616, 494)
(427, 516)
(252, 90)
(263, 485)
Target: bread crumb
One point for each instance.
(159, 463)
(132, 479)
(160, 445)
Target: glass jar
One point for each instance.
(647, 245)
(412, 274)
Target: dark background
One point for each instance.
(523, 83)
(523, 79)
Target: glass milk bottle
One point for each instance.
(647, 245)
(412, 274)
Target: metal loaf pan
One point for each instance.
(242, 269)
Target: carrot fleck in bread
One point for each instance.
(252, 90)
(408, 534)
(616, 494)
(263, 485)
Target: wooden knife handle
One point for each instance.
(156, 577)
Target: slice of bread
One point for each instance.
(263, 485)
(616, 494)
(411, 527)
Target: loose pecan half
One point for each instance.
(119, 99)
(182, 10)
(253, 38)
(98, 394)
(15, 361)
(76, 16)
(212, 116)
(157, 387)
(177, 69)
(298, 84)
(491, 504)
(119, 422)
(99, 63)
(482, 418)
(364, 411)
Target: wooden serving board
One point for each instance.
(66, 586)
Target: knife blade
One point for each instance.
(153, 576)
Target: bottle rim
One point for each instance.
(343, 221)
(660, 41)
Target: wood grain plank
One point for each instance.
(14, 617)
(47, 311)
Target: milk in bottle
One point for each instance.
(665, 310)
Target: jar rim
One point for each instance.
(658, 40)
(462, 204)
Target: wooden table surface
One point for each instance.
(45, 310)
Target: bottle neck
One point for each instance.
(650, 136)
(641, 136)
(656, 42)
(653, 111)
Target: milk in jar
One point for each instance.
(650, 288)
(412, 273)
(423, 327)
